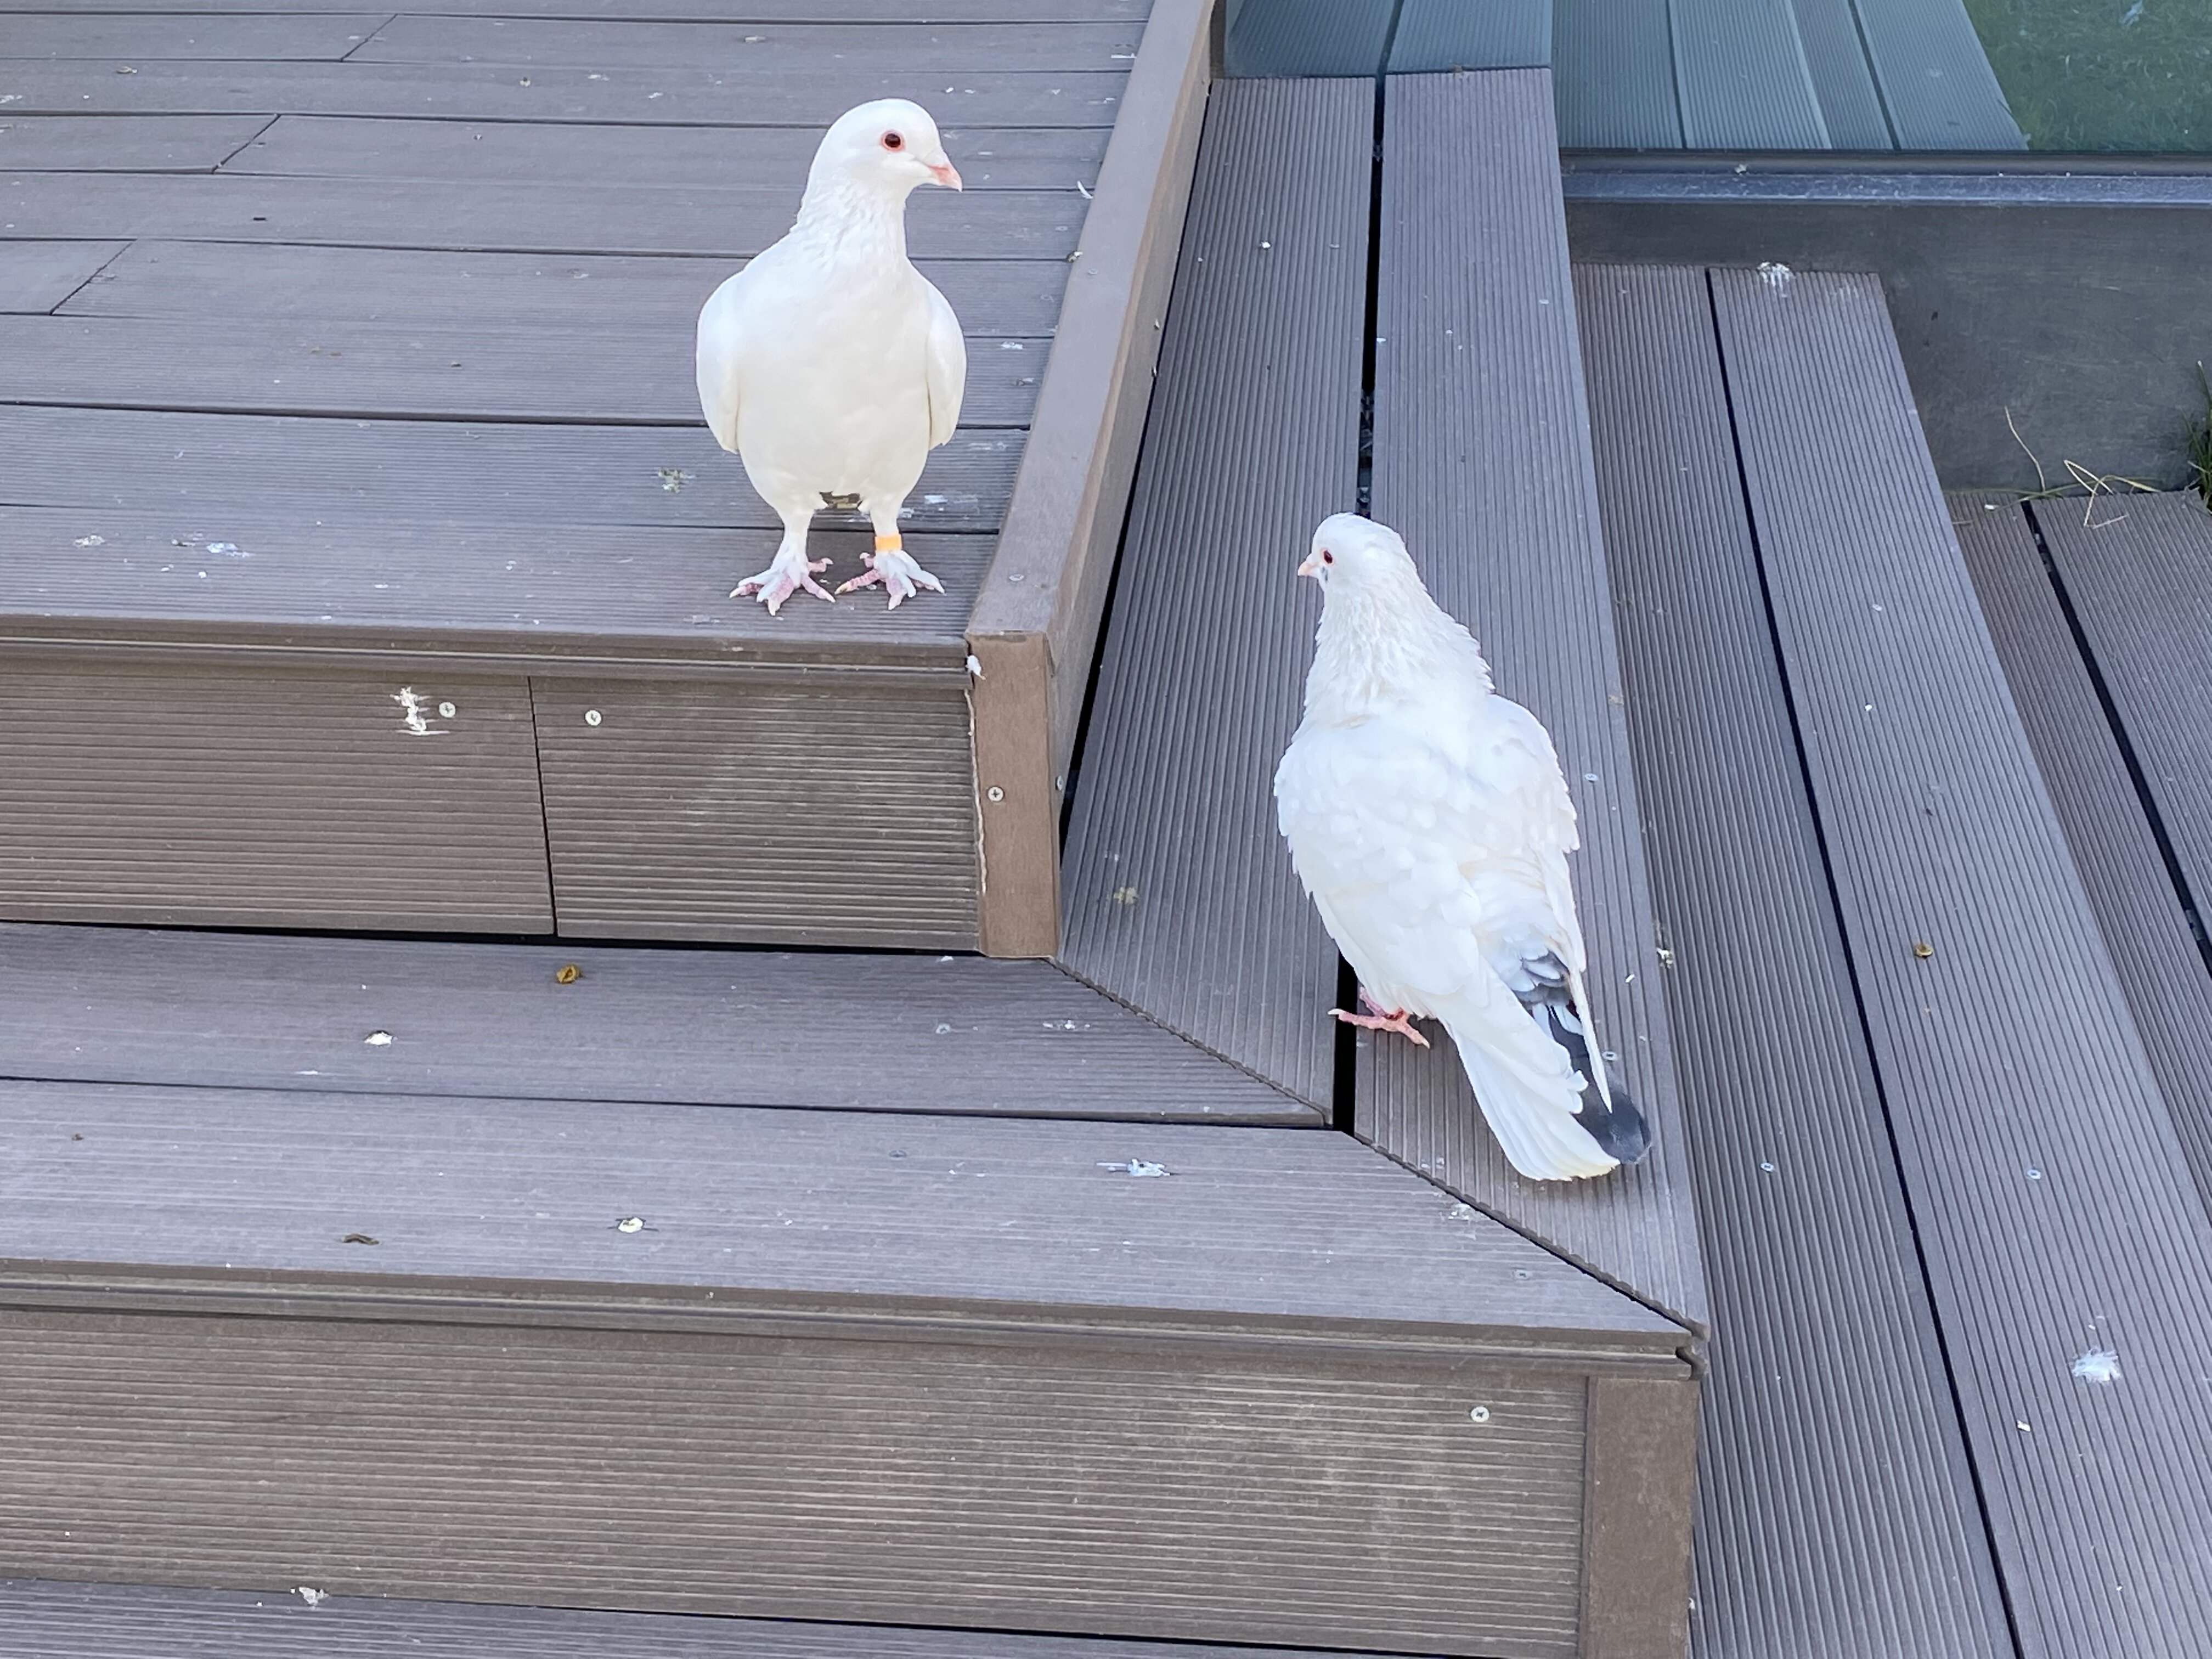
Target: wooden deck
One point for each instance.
(663, 1307)
(349, 355)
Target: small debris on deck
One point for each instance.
(2098, 1365)
(1138, 1167)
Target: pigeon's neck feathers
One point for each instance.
(1384, 642)
(842, 218)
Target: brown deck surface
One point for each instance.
(278, 280)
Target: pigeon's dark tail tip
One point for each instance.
(1621, 1133)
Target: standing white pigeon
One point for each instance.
(831, 365)
(1428, 818)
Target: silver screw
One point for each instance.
(445, 711)
(591, 717)
(1479, 1414)
(995, 793)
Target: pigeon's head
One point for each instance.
(890, 145)
(1353, 555)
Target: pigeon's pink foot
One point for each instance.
(894, 568)
(792, 571)
(1379, 1019)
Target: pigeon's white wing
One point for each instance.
(1433, 852)
(720, 359)
(946, 365)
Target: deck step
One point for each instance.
(47, 1619)
(703, 1027)
(2025, 1112)
(1076, 1377)
(1831, 1456)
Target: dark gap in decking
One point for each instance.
(1983, 1509)
(544, 817)
(2145, 802)
(324, 413)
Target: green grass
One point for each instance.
(2199, 443)
(2080, 76)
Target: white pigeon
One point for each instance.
(831, 365)
(1428, 818)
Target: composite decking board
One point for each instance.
(2138, 573)
(50, 1620)
(753, 48)
(802, 96)
(1743, 77)
(1178, 895)
(1935, 78)
(1284, 1234)
(1315, 37)
(598, 376)
(237, 282)
(37, 276)
(101, 143)
(1437, 35)
(1835, 56)
(680, 811)
(1056, 1485)
(206, 466)
(2019, 1098)
(255, 797)
(911, 1033)
(59, 33)
(2121, 865)
(1612, 71)
(1839, 1515)
(1482, 455)
(484, 215)
(536, 597)
(765, 158)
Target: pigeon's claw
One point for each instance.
(790, 573)
(900, 576)
(1379, 1019)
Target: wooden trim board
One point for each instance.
(1037, 619)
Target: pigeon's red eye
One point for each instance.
(1327, 557)
(892, 140)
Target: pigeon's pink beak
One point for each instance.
(1311, 566)
(945, 172)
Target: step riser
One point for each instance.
(1294, 1497)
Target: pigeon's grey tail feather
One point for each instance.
(1607, 1112)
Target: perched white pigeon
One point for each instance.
(1427, 816)
(830, 363)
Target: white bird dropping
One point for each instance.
(832, 366)
(1428, 818)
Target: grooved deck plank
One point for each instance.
(1838, 1513)
(2139, 576)
(1612, 68)
(62, 34)
(1178, 895)
(2023, 1108)
(1850, 104)
(1309, 37)
(1744, 80)
(764, 158)
(46, 1620)
(97, 144)
(1482, 457)
(1936, 80)
(599, 375)
(36, 277)
(697, 1027)
(805, 95)
(789, 1211)
(236, 282)
(256, 797)
(416, 472)
(1437, 35)
(544, 216)
(2160, 965)
(754, 48)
